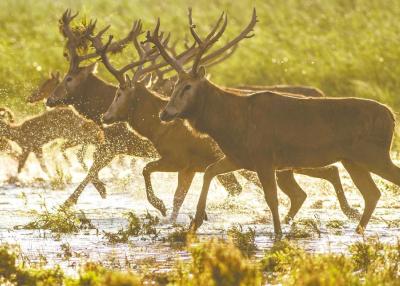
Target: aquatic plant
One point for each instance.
(243, 240)
(218, 263)
(62, 221)
(136, 227)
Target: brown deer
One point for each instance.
(139, 106)
(43, 92)
(45, 88)
(267, 131)
(35, 132)
(91, 97)
(5, 145)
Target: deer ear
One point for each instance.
(147, 80)
(128, 79)
(90, 69)
(201, 72)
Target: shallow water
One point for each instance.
(126, 193)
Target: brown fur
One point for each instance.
(35, 132)
(140, 107)
(91, 96)
(295, 89)
(45, 88)
(267, 131)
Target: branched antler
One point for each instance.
(73, 39)
(203, 45)
(144, 56)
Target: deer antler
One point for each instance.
(245, 34)
(144, 56)
(73, 40)
(211, 38)
(203, 45)
(155, 39)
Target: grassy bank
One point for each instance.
(346, 48)
(220, 263)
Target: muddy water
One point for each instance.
(126, 193)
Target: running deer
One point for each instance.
(5, 145)
(91, 97)
(43, 92)
(267, 131)
(45, 88)
(35, 132)
(139, 106)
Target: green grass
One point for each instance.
(220, 263)
(344, 47)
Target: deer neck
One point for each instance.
(222, 115)
(94, 97)
(144, 114)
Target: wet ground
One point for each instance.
(19, 201)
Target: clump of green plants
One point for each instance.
(95, 274)
(370, 263)
(305, 228)
(61, 179)
(218, 263)
(136, 227)
(13, 274)
(280, 257)
(178, 237)
(243, 240)
(62, 221)
(336, 226)
(318, 204)
(366, 253)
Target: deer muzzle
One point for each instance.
(167, 116)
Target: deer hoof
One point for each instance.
(360, 229)
(288, 219)
(352, 213)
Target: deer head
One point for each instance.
(77, 75)
(187, 91)
(118, 110)
(46, 88)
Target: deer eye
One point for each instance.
(188, 87)
(69, 79)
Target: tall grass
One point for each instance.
(344, 47)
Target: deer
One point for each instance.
(5, 145)
(45, 88)
(91, 96)
(136, 104)
(35, 132)
(43, 92)
(268, 131)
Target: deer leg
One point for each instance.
(331, 174)
(101, 159)
(251, 176)
(225, 165)
(81, 156)
(266, 175)
(291, 188)
(160, 165)
(22, 159)
(230, 183)
(185, 178)
(370, 192)
(63, 149)
(39, 156)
